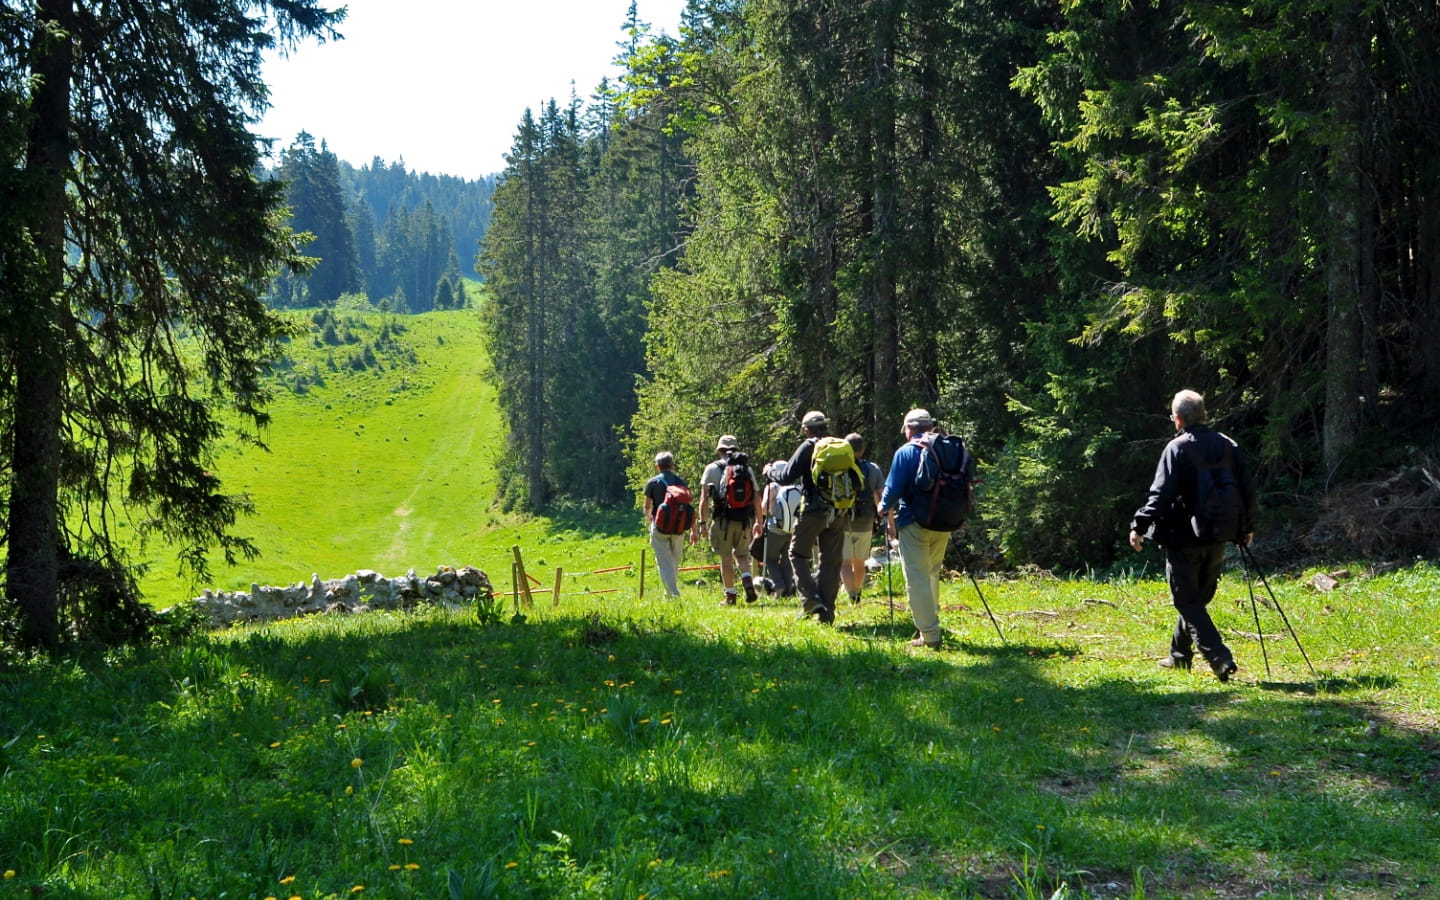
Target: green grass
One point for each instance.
(390, 468)
(614, 747)
(619, 748)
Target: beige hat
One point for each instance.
(727, 442)
(919, 418)
(815, 419)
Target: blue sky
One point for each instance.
(443, 83)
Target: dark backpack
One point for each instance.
(1218, 512)
(945, 475)
(865, 501)
(737, 489)
(676, 513)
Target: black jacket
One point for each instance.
(1165, 517)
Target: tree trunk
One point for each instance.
(1344, 362)
(32, 570)
(885, 240)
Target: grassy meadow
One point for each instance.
(609, 746)
(386, 468)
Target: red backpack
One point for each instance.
(676, 513)
(736, 489)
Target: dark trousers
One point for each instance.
(773, 550)
(1193, 573)
(823, 530)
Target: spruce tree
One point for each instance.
(131, 211)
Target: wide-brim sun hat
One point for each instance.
(727, 442)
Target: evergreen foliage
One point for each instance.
(130, 213)
(396, 235)
(587, 212)
(1038, 219)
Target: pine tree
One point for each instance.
(317, 207)
(131, 211)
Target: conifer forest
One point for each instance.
(1037, 219)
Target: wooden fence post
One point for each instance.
(523, 580)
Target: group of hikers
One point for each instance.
(807, 522)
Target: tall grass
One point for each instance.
(620, 748)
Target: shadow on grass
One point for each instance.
(590, 520)
(796, 769)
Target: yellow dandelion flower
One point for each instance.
(645, 721)
(678, 693)
(664, 721)
(512, 864)
(9, 873)
(356, 763)
(274, 744)
(405, 842)
(610, 658)
(357, 889)
(394, 867)
(288, 879)
(349, 788)
(412, 866)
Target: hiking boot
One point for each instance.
(919, 642)
(729, 599)
(750, 595)
(1175, 662)
(1223, 668)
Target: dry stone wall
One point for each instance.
(360, 592)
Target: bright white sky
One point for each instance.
(442, 84)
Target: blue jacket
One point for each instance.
(903, 466)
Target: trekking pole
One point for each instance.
(1245, 551)
(1254, 607)
(986, 605)
(889, 594)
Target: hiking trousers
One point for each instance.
(922, 552)
(772, 549)
(668, 549)
(821, 530)
(1194, 573)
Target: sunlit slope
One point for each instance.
(386, 468)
